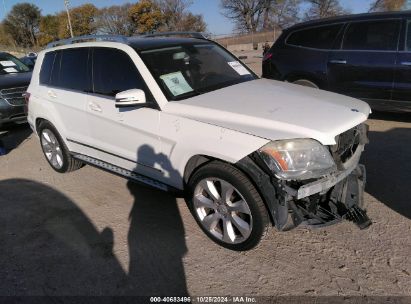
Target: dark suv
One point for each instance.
(365, 56)
(14, 79)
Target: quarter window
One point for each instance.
(408, 42)
(114, 72)
(372, 35)
(322, 37)
(46, 68)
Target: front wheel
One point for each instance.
(306, 83)
(227, 206)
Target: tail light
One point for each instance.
(267, 56)
(27, 99)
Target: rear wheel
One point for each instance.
(306, 83)
(227, 206)
(55, 151)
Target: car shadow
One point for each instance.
(48, 246)
(387, 159)
(12, 136)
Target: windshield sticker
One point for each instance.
(7, 63)
(10, 70)
(239, 68)
(176, 83)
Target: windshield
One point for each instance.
(10, 64)
(190, 70)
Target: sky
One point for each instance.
(210, 9)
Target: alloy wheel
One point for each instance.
(222, 210)
(52, 149)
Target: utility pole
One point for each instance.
(67, 4)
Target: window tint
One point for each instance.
(319, 37)
(46, 68)
(114, 72)
(74, 74)
(408, 42)
(372, 35)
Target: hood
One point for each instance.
(275, 110)
(15, 80)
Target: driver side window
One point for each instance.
(114, 72)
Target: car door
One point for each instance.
(364, 67)
(401, 95)
(66, 89)
(125, 137)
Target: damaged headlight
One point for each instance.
(297, 159)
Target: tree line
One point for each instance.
(25, 26)
(259, 15)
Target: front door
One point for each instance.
(126, 137)
(364, 67)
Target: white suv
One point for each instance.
(185, 115)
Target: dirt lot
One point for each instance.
(92, 233)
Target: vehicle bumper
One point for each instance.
(11, 114)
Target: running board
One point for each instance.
(133, 176)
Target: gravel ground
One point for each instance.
(92, 233)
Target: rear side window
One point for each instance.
(74, 71)
(114, 72)
(55, 71)
(372, 35)
(46, 68)
(322, 37)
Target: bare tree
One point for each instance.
(281, 13)
(178, 18)
(246, 14)
(324, 8)
(387, 5)
(114, 20)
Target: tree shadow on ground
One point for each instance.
(387, 159)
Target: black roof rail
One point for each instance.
(109, 38)
(197, 35)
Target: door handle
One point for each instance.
(337, 61)
(94, 107)
(407, 63)
(51, 94)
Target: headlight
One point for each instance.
(297, 159)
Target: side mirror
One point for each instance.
(130, 98)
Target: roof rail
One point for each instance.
(111, 38)
(196, 35)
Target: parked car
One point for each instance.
(29, 60)
(365, 56)
(185, 115)
(14, 79)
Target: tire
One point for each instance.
(306, 83)
(55, 150)
(237, 220)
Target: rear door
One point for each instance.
(126, 137)
(401, 96)
(66, 87)
(364, 67)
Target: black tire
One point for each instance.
(69, 163)
(242, 184)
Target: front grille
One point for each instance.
(347, 144)
(14, 96)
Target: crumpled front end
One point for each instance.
(320, 201)
(335, 197)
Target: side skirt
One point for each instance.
(130, 175)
